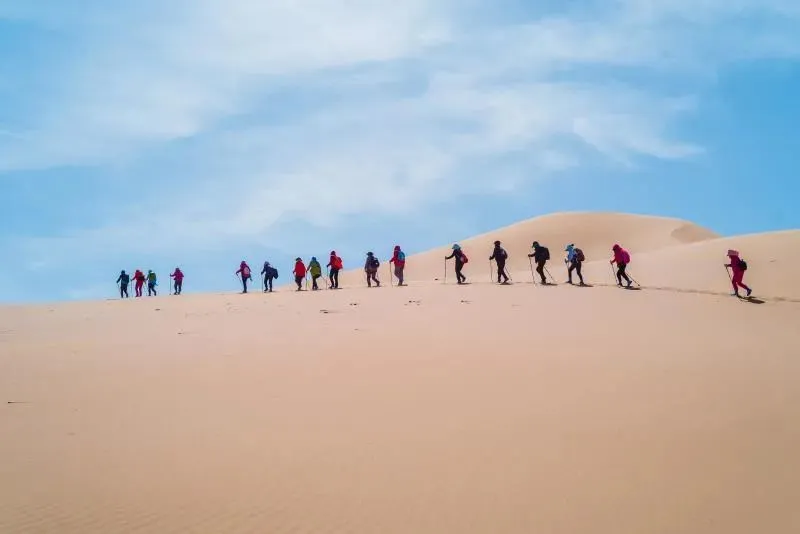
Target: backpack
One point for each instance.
(374, 262)
(579, 255)
(246, 271)
(464, 258)
(742, 265)
(274, 272)
(401, 256)
(545, 253)
(626, 258)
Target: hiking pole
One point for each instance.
(550, 275)
(614, 274)
(391, 278)
(634, 280)
(491, 278)
(533, 277)
(508, 274)
(445, 270)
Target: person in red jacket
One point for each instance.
(244, 270)
(299, 273)
(178, 276)
(622, 259)
(399, 260)
(335, 265)
(139, 278)
(737, 267)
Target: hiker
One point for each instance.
(399, 260)
(335, 265)
(138, 277)
(371, 268)
(540, 256)
(574, 260)
(178, 276)
(270, 273)
(738, 266)
(499, 255)
(299, 273)
(461, 259)
(123, 281)
(315, 269)
(151, 284)
(244, 270)
(622, 259)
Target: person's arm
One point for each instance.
(451, 256)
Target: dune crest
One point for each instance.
(593, 232)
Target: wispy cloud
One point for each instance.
(268, 110)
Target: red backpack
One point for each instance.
(464, 258)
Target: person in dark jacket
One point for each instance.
(269, 273)
(499, 255)
(540, 256)
(460, 258)
(371, 266)
(123, 281)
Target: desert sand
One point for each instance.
(430, 408)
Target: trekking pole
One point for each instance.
(550, 275)
(491, 278)
(508, 274)
(445, 271)
(533, 277)
(634, 280)
(306, 277)
(614, 274)
(391, 278)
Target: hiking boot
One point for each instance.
(749, 291)
(630, 284)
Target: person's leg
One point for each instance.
(244, 284)
(572, 267)
(622, 274)
(399, 271)
(121, 291)
(336, 279)
(738, 282)
(459, 277)
(578, 270)
(179, 286)
(540, 270)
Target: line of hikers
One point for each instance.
(539, 257)
(139, 278)
(334, 266)
(574, 260)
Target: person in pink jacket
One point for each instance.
(737, 267)
(622, 259)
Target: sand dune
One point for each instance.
(428, 409)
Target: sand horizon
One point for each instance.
(430, 408)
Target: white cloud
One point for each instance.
(416, 93)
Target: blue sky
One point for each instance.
(198, 133)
